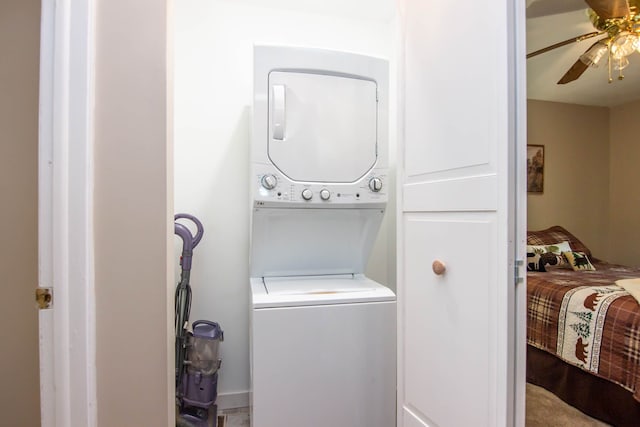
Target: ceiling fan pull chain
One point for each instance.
(610, 79)
(620, 67)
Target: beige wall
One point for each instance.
(576, 176)
(134, 290)
(623, 186)
(19, 63)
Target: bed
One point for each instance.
(583, 333)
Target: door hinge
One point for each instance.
(519, 263)
(44, 298)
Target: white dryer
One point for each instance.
(322, 334)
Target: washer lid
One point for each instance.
(319, 285)
(272, 292)
(322, 127)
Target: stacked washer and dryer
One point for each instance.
(322, 334)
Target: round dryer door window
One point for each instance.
(322, 128)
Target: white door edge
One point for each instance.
(518, 31)
(65, 217)
(399, 188)
(45, 226)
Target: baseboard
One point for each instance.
(238, 399)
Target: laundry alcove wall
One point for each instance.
(213, 42)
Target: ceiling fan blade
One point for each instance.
(609, 8)
(574, 72)
(576, 69)
(563, 43)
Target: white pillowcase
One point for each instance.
(537, 262)
(556, 248)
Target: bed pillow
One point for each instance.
(556, 234)
(579, 261)
(541, 256)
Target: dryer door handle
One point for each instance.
(279, 111)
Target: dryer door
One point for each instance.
(322, 128)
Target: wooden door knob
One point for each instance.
(438, 267)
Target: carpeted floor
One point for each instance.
(544, 409)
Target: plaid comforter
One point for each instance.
(588, 322)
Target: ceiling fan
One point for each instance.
(618, 21)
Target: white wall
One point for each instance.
(213, 97)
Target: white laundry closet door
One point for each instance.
(322, 127)
(456, 290)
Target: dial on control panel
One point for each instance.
(269, 182)
(307, 194)
(325, 194)
(375, 184)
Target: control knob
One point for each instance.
(269, 182)
(375, 184)
(325, 194)
(307, 194)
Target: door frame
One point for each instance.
(67, 332)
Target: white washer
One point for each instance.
(322, 334)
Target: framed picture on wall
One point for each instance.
(535, 168)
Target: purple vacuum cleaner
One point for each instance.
(197, 359)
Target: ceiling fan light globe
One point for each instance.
(621, 63)
(624, 44)
(593, 56)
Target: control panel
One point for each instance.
(271, 186)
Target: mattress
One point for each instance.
(582, 318)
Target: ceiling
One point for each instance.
(552, 21)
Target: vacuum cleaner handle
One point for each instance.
(200, 229)
(189, 241)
